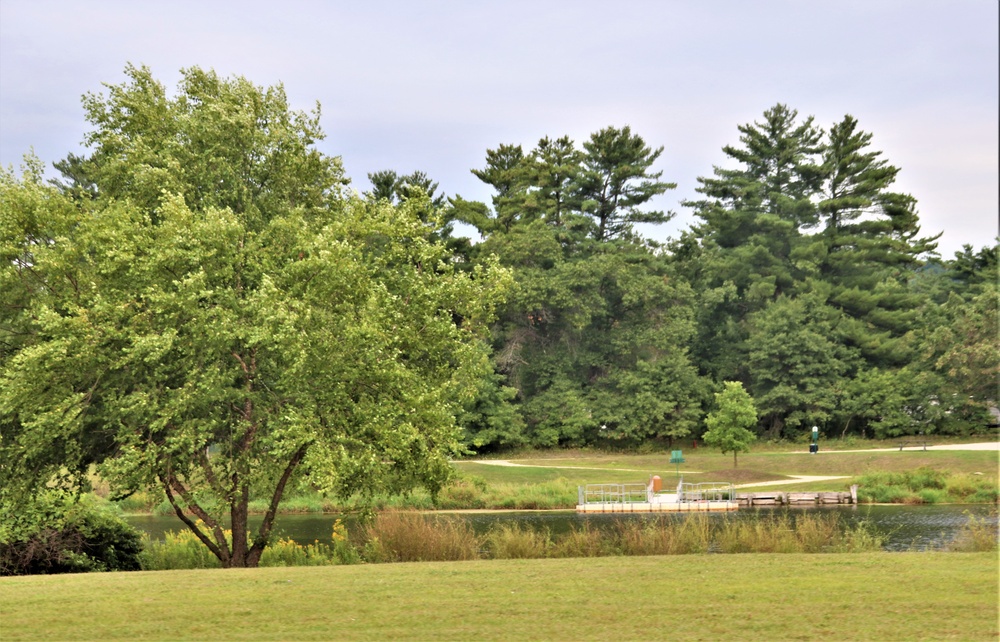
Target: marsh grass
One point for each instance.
(400, 536)
(515, 541)
(978, 535)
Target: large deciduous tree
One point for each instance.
(220, 320)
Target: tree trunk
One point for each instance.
(734, 459)
(238, 516)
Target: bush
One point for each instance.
(59, 533)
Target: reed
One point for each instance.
(402, 536)
(978, 535)
(515, 541)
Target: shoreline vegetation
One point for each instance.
(411, 536)
(548, 480)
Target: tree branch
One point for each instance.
(222, 554)
(265, 528)
(201, 514)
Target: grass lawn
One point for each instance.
(706, 465)
(876, 596)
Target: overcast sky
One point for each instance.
(413, 84)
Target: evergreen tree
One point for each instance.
(616, 181)
(871, 246)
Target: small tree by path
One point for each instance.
(728, 425)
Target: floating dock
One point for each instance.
(647, 498)
(693, 498)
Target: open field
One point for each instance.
(706, 465)
(876, 596)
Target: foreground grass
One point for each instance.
(871, 596)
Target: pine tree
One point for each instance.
(616, 181)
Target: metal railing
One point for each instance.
(613, 493)
(642, 493)
(707, 492)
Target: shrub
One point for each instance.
(932, 495)
(286, 552)
(59, 533)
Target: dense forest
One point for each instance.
(805, 278)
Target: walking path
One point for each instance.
(796, 479)
(989, 445)
(504, 462)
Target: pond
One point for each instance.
(904, 527)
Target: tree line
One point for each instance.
(805, 278)
(201, 305)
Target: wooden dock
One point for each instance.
(778, 498)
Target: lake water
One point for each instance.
(904, 527)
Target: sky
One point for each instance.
(431, 85)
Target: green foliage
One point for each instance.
(925, 486)
(220, 320)
(57, 533)
(728, 425)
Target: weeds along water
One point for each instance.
(409, 536)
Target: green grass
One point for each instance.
(871, 596)
(549, 479)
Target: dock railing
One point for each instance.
(707, 492)
(643, 493)
(612, 494)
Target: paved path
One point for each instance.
(796, 479)
(989, 445)
(504, 462)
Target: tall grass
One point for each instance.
(979, 534)
(925, 486)
(399, 536)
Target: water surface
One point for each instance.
(904, 527)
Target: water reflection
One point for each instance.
(904, 527)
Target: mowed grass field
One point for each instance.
(703, 464)
(876, 596)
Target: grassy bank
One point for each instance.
(549, 479)
(410, 536)
(875, 596)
